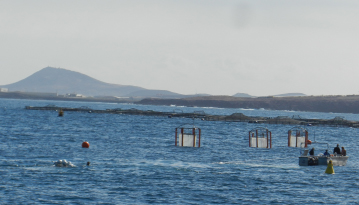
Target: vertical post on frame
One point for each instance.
(182, 135)
(289, 134)
(199, 137)
(176, 138)
(249, 138)
(257, 137)
(194, 136)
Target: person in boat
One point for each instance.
(344, 152)
(336, 149)
(326, 153)
(311, 152)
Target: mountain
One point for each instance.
(62, 81)
(155, 93)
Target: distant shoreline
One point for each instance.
(336, 104)
(24, 95)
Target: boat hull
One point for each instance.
(322, 160)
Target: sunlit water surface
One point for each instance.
(134, 160)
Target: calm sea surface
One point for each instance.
(134, 160)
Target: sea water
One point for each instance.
(134, 159)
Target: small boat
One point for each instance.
(313, 160)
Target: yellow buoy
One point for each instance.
(330, 168)
(61, 113)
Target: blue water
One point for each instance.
(134, 160)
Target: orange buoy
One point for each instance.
(309, 142)
(85, 145)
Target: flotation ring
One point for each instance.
(309, 141)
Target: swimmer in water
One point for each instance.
(88, 164)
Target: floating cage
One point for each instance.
(298, 137)
(188, 137)
(260, 138)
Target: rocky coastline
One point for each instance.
(336, 104)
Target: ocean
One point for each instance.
(134, 159)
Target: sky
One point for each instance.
(217, 47)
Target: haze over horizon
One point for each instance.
(215, 47)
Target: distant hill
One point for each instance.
(155, 93)
(242, 95)
(290, 95)
(62, 81)
(245, 95)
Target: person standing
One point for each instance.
(344, 152)
(311, 152)
(336, 149)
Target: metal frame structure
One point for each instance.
(299, 132)
(180, 132)
(260, 132)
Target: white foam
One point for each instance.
(63, 163)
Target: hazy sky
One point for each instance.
(219, 47)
